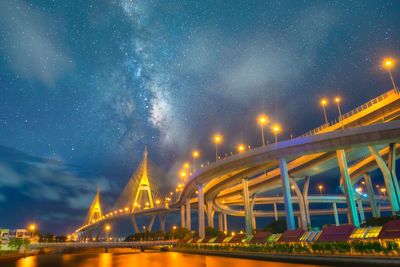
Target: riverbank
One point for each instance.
(299, 258)
(16, 255)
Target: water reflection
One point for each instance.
(127, 257)
(105, 259)
(27, 262)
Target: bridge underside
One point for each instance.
(253, 178)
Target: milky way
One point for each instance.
(88, 85)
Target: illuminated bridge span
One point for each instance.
(106, 245)
(367, 139)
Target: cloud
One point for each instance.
(48, 181)
(30, 43)
(8, 177)
(80, 201)
(58, 217)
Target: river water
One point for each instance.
(127, 258)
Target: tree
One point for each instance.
(379, 221)
(16, 243)
(179, 233)
(278, 226)
(61, 238)
(209, 231)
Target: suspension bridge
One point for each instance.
(357, 143)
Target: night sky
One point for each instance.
(85, 85)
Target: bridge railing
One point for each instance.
(353, 112)
(104, 244)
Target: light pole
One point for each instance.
(195, 155)
(320, 187)
(383, 190)
(217, 140)
(337, 100)
(262, 120)
(183, 175)
(292, 187)
(187, 167)
(108, 228)
(173, 229)
(388, 64)
(276, 128)
(324, 102)
(32, 227)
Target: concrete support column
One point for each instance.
(134, 224)
(162, 219)
(300, 200)
(188, 222)
(371, 195)
(253, 202)
(305, 198)
(220, 222)
(183, 216)
(335, 213)
(275, 212)
(348, 188)
(151, 223)
(200, 197)
(247, 208)
(286, 194)
(390, 190)
(392, 169)
(361, 211)
(225, 224)
(210, 214)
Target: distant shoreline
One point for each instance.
(298, 258)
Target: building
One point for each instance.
(4, 236)
(20, 234)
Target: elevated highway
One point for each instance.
(365, 137)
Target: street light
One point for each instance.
(240, 148)
(108, 228)
(292, 187)
(276, 128)
(320, 187)
(173, 229)
(324, 102)
(262, 120)
(195, 155)
(383, 190)
(187, 166)
(388, 64)
(183, 175)
(217, 140)
(32, 227)
(337, 100)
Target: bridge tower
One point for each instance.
(95, 208)
(144, 187)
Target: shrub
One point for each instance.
(16, 243)
(278, 226)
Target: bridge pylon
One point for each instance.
(142, 192)
(144, 186)
(95, 209)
